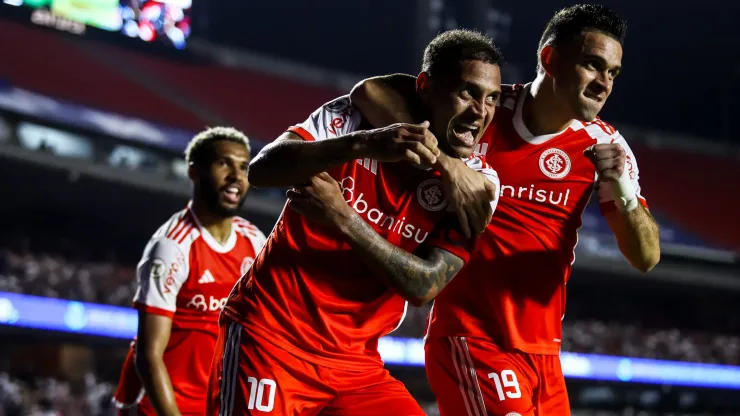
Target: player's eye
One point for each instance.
(492, 99)
(466, 93)
(244, 167)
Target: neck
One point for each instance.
(218, 226)
(541, 112)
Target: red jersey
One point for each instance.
(308, 292)
(186, 275)
(513, 289)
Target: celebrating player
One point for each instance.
(300, 331)
(184, 277)
(494, 337)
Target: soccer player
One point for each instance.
(493, 342)
(299, 333)
(184, 277)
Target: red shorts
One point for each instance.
(476, 378)
(253, 377)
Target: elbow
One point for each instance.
(258, 175)
(649, 262)
(144, 360)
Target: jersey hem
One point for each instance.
(524, 348)
(356, 362)
(142, 307)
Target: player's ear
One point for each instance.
(192, 171)
(422, 85)
(547, 58)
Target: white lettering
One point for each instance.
(533, 194)
(376, 216)
(198, 302)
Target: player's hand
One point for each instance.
(469, 194)
(402, 142)
(320, 200)
(608, 159)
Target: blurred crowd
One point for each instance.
(34, 396)
(633, 330)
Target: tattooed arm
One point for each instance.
(418, 277)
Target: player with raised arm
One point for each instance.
(493, 342)
(184, 277)
(365, 230)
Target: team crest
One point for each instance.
(431, 196)
(246, 264)
(554, 163)
(157, 269)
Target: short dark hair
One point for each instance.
(575, 20)
(199, 147)
(445, 52)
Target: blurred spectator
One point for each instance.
(646, 330)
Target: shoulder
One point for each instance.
(601, 131)
(178, 232)
(249, 231)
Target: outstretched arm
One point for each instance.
(290, 159)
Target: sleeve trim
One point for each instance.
(303, 133)
(153, 310)
(609, 206)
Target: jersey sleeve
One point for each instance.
(160, 274)
(606, 199)
(448, 236)
(335, 118)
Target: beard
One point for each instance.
(211, 196)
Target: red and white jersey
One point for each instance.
(309, 292)
(186, 275)
(513, 289)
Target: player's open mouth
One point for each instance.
(466, 133)
(232, 194)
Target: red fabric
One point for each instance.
(475, 377)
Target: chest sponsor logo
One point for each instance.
(199, 303)
(431, 196)
(555, 163)
(531, 193)
(357, 201)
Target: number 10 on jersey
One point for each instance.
(257, 394)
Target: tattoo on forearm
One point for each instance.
(410, 274)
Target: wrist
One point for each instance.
(358, 145)
(625, 197)
(343, 219)
(447, 165)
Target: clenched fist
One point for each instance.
(410, 142)
(608, 159)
